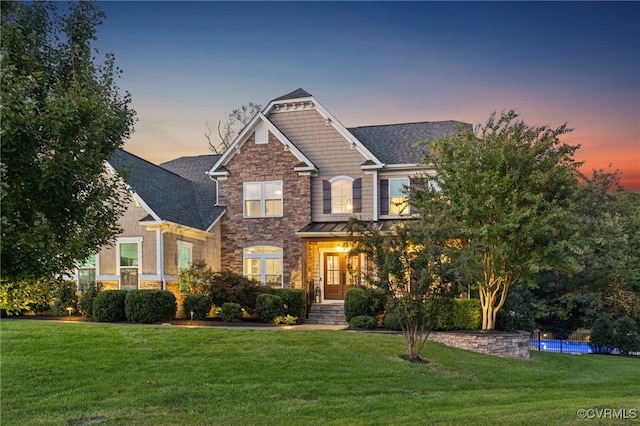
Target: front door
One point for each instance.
(335, 275)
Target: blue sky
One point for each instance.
(186, 63)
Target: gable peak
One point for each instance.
(296, 94)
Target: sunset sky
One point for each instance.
(186, 63)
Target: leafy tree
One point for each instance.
(227, 132)
(510, 187)
(413, 265)
(62, 116)
(609, 282)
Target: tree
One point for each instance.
(510, 187)
(609, 240)
(414, 264)
(227, 132)
(62, 117)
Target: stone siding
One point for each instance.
(507, 345)
(259, 163)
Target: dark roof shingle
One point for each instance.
(172, 197)
(296, 94)
(399, 143)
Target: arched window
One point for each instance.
(341, 198)
(264, 264)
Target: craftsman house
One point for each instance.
(292, 179)
(274, 206)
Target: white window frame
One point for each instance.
(125, 240)
(263, 258)
(184, 245)
(81, 267)
(347, 208)
(392, 205)
(263, 200)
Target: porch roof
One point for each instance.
(338, 229)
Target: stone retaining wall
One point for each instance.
(508, 345)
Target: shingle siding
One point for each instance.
(330, 152)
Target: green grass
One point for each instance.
(57, 373)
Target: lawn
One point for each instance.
(71, 373)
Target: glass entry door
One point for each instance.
(335, 275)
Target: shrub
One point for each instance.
(199, 304)
(601, 340)
(294, 300)
(363, 321)
(625, 335)
(108, 306)
(149, 306)
(232, 287)
(269, 307)
(392, 320)
(442, 313)
(231, 312)
(17, 297)
(467, 314)
(286, 320)
(364, 301)
(85, 305)
(65, 295)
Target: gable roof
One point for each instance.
(169, 196)
(301, 99)
(296, 94)
(192, 168)
(218, 168)
(399, 143)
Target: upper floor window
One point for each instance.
(129, 255)
(342, 195)
(341, 198)
(264, 264)
(262, 199)
(87, 272)
(394, 198)
(185, 255)
(398, 198)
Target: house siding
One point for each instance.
(265, 162)
(330, 152)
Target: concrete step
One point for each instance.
(332, 314)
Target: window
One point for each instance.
(342, 195)
(398, 199)
(262, 199)
(264, 264)
(129, 264)
(87, 273)
(185, 255)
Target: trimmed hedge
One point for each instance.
(363, 321)
(231, 312)
(149, 306)
(269, 307)
(199, 304)
(449, 314)
(295, 302)
(364, 301)
(467, 314)
(108, 306)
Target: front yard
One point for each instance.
(115, 374)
